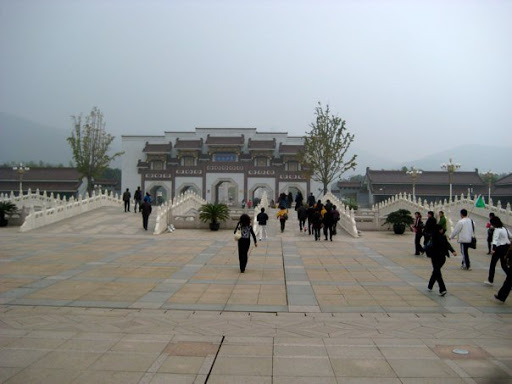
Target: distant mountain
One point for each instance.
(22, 140)
(470, 157)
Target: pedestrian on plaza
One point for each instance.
(147, 197)
(328, 204)
(145, 209)
(310, 212)
(319, 206)
(490, 231)
(464, 231)
(417, 228)
(302, 215)
(430, 227)
(500, 245)
(126, 198)
(244, 243)
(137, 196)
(282, 201)
(298, 200)
(249, 204)
(438, 251)
(289, 199)
(328, 221)
(262, 219)
(311, 199)
(506, 265)
(336, 217)
(442, 221)
(316, 223)
(282, 216)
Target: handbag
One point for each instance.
(472, 245)
(238, 234)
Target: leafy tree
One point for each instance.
(325, 147)
(90, 143)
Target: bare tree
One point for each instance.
(325, 147)
(90, 144)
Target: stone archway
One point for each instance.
(225, 191)
(189, 187)
(256, 192)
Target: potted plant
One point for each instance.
(214, 213)
(400, 219)
(6, 208)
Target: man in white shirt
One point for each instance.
(464, 231)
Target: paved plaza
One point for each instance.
(96, 299)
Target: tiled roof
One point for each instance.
(349, 184)
(142, 164)
(225, 140)
(425, 189)
(188, 144)
(157, 148)
(262, 144)
(507, 180)
(41, 174)
(285, 149)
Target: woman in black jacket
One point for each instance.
(244, 224)
(438, 249)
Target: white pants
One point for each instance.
(262, 232)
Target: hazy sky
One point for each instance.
(422, 75)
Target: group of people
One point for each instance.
(437, 247)
(144, 204)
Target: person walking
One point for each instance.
(430, 227)
(336, 218)
(282, 215)
(262, 219)
(311, 199)
(244, 243)
(126, 198)
(302, 215)
(442, 221)
(298, 200)
(137, 196)
(439, 249)
(316, 223)
(464, 231)
(328, 221)
(500, 245)
(490, 231)
(310, 212)
(417, 227)
(506, 265)
(145, 209)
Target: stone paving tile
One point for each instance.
(44, 376)
(378, 323)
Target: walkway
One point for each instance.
(98, 299)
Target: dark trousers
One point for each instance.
(145, 221)
(464, 248)
(328, 230)
(317, 233)
(417, 243)
(243, 249)
(437, 264)
(127, 206)
(283, 222)
(302, 224)
(137, 203)
(507, 284)
(310, 227)
(498, 253)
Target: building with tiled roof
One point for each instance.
(502, 190)
(64, 181)
(220, 164)
(430, 185)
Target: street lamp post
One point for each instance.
(21, 169)
(451, 167)
(490, 178)
(414, 175)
